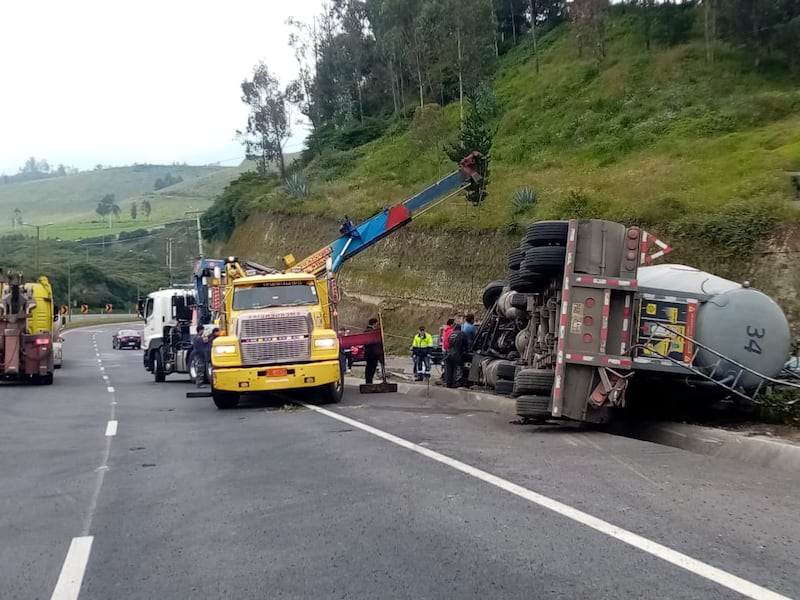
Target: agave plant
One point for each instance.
(523, 198)
(297, 186)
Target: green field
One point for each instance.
(69, 202)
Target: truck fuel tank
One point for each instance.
(739, 322)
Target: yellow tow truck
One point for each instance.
(278, 328)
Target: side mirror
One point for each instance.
(140, 308)
(55, 318)
(63, 320)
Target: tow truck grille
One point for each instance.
(275, 338)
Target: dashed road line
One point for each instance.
(69, 581)
(110, 389)
(111, 428)
(678, 559)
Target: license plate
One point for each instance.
(276, 372)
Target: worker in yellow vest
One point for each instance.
(421, 347)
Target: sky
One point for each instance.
(122, 81)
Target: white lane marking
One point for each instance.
(98, 360)
(110, 389)
(683, 561)
(69, 581)
(111, 428)
(102, 368)
(105, 377)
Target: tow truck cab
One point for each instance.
(277, 334)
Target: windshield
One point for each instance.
(128, 332)
(267, 295)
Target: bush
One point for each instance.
(523, 199)
(233, 205)
(297, 186)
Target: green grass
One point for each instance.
(648, 138)
(69, 202)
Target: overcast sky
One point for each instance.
(122, 81)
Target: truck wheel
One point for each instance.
(45, 379)
(492, 292)
(503, 386)
(519, 282)
(534, 381)
(332, 393)
(506, 370)
(158, 367)
(544, 259)
(515, 258)
(225, 400)
(547, 233)
(534, 407)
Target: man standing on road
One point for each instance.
(453, 358)
(421, 347)
(468, 329)
(200, 354)
(373, 353)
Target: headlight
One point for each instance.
(225, 349)
(325, 343)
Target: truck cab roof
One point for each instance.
(277, 277)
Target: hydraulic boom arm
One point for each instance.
(357, 238)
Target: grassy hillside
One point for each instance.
(69, 202)
(648, 138)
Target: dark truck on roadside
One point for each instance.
(584, 310)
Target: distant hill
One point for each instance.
(69, 201)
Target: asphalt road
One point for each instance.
(379, 497)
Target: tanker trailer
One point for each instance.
(25, 353)
(720, 330)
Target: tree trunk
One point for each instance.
(496, 27)
(710, 22)
(513, 22)
(534, 11)
(393, 79)
(460, 78)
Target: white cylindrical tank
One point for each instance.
(739, 322)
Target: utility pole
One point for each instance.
(69, 289)
(169, 259)
(38, 228)
(199, 237)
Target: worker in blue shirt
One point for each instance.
(469, 331)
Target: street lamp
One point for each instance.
(37, 227)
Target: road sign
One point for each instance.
(64, 310)
(84, 308)
(109, 307)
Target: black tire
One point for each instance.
(534, 407)
(506, 370)
(45, 379)
(492, 292)
(332, 393)
(544, 259)
(515, 258)
(534, 381)
(159, 374)
(504, 387)
(547, 233)
(225, 400)
(519, 283)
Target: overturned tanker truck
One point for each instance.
(584, 311)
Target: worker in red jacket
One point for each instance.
(446, 331)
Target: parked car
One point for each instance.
(127, 338)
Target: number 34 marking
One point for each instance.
(754, 333)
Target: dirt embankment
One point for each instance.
(421, 277)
